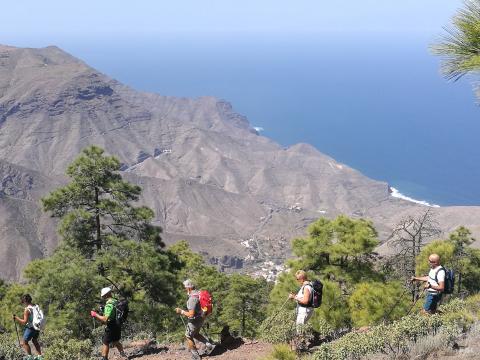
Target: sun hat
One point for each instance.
(105, 291)
(188, 284)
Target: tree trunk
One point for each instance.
(459, 287)
(97, 220)
(243, 316)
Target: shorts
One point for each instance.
(30, 334)
(112, 334)
(431, 302)
(193, 328)
(303, 314)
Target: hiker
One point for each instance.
(434, 284)
(303, 299)
(30, 333)
(195, 316)
(113, 331)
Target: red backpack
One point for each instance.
(206, 302)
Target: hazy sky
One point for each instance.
(33, 21)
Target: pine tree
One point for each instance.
(96, 205)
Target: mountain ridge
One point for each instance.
(209, 176)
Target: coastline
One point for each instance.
(397, 194)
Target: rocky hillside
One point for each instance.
(235, 195)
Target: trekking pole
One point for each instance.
(385, 317)
(415, 302)
(278, 312)
(183, 321)
(16, 330)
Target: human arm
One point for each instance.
(193, 304)
(187, 313)
(419, 278)
(439, 279)
(107, 312)
(305, 299)
(99, 317)
(23, 321)
(440, 287)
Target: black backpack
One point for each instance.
(121, 311)
(317, 293)
(449, 280)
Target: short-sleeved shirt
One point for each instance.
(435, 277)
(193, 303)
(109, 308)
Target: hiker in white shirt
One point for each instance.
(434, 284)
(303, 299)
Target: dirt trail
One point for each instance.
(246, 350)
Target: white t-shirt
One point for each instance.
(440, 277)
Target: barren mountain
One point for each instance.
(211, 179)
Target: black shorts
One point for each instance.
(112, 334)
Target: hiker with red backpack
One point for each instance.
(199, 306)
(110, 317)
(33, 320)
(439, 281)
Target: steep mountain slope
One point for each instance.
(209, 176)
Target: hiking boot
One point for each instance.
(195, 355)
(123, 355)
(209, 348)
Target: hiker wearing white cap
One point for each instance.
(113, 331)
(194, 313)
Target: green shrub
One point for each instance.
(278, 327)
(61, 345)
(281, 352)
(395, 339)
(9, 348)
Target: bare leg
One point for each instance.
(37, 346)
(105, 351)
(26, 347)
(119, 346)
(199, 337)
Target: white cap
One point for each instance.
(105, 291)
(188, 284)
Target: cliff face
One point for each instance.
(209, 176)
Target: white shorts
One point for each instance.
(303, 314)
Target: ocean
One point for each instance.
(374, 101)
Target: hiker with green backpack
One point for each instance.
(113, 329)
(33, 321)
(439, 281)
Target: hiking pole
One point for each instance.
(278, 312)
(415, 302)
(385, 317)
(16, 330)
(183, 321)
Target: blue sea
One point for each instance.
(374, 101)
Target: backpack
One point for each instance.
(121, 311)
(206, 302)
(449, 280)
(38, 318)
(317, 293)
